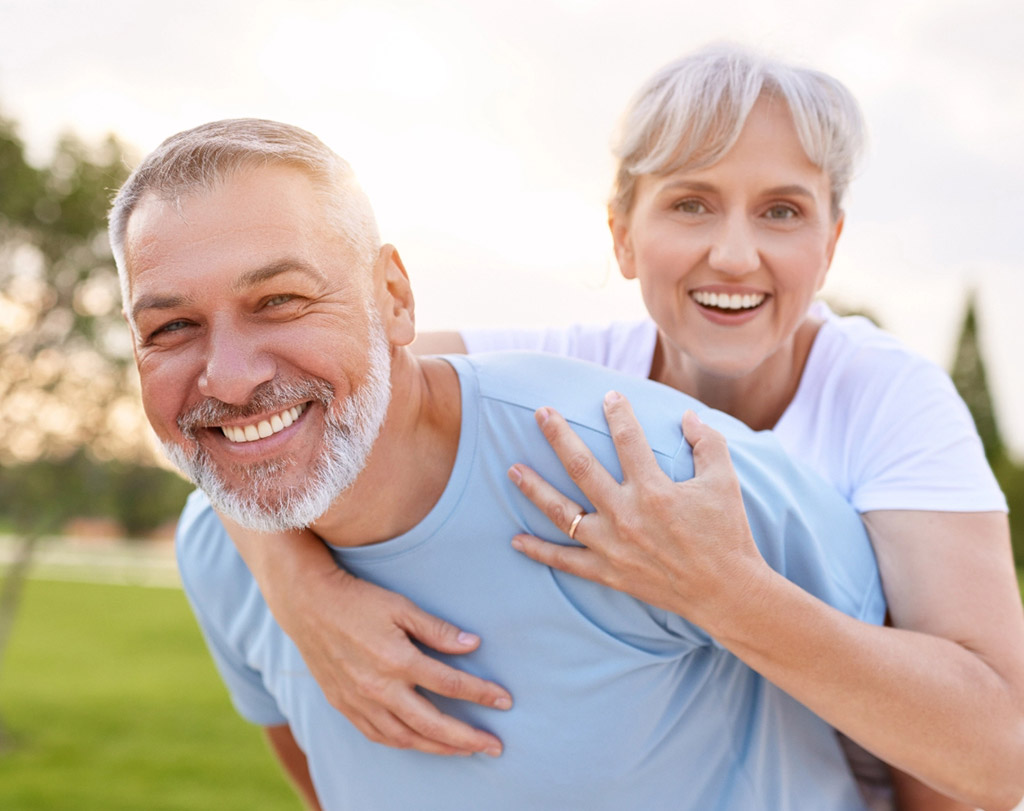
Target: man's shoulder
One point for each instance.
(576, 389)
(205, 553)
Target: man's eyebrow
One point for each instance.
(157, 302)
(252, 278)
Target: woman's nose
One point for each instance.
(734, 248)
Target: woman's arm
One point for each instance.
(940, 696)
(357, 640)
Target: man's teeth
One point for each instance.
(727, 301)
(263, 428)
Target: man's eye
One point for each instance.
(173, 326)
(278, 300)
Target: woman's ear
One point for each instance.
(830, 249)
(837, 230)
(622, 242)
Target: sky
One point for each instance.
(481, 131)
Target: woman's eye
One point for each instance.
(690, 207)
(781, 212)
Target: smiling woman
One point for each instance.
(729, 257)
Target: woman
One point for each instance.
(727, 209)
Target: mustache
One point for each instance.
(273, 395)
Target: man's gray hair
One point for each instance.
(197, 159)
(691, 112)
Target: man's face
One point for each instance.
(263, 364)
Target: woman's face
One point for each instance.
(730, 256)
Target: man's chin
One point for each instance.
(259, 501)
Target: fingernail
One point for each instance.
(515, 475)
(517, 544)
(503, 703)
(466, 638)
(543, 414)
(612, 397)
(493, 751)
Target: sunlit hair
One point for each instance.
(690, 113)
(198, 159)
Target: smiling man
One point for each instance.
(271, 335)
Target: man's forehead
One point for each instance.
(261, 216)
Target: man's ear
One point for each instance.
(398, 308)
(622, 241)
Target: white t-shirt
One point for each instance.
(885, 426)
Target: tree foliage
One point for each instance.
(971, 380)
(66, 380)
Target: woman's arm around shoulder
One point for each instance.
(357, 640)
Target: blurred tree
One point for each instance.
(971, 380)
(66, 380)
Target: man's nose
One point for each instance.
(734, 248)
(236, 363)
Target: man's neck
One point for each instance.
(411, 460)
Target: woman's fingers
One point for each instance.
(634, 452)
(583, 468)
(387, 729)
(569, 559)
(560, 510)
(710, 450)
(426, 728)
(440, 678)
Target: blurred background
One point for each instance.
(481, 133)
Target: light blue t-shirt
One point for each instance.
(617, 704)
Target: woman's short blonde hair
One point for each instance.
(690, 113)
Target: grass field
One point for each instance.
(113, 703)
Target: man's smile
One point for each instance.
(263, 428)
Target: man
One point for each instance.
(271, 336)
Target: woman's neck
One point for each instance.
(758, 398)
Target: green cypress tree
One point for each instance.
(971, 381)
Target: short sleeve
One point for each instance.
(213, 575)
(885, 426)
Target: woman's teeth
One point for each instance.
(729, 301)
(263, 428)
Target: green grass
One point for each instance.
(112, 702)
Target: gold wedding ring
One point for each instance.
(575, 523)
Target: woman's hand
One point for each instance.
(685, 547)
(357, 641)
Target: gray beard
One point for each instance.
(261, 502)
